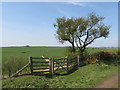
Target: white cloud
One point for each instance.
(83, 4)
(78, 4)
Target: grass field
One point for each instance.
(86, 76)
(19, 56)
(54, 52)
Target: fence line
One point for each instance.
(50, 66)
(67, 64)
(20, 70)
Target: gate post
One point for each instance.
(31, 67)
(67, 65)
(78, 60)
(51, 66)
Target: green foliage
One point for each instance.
(65, 29)
(89, 57)
(74, 29)
(94, 55)
(108, 55)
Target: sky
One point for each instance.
(31, 23)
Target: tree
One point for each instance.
(81, 31)
(89, 29)
(66, 29)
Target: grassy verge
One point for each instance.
(84, 77)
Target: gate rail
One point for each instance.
(53, 65)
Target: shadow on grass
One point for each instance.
(49, 75)
(111, 62)
(66, 73)
(62, 73)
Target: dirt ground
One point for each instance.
(111, 82)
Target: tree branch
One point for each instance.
(79, 40)
(77, 44)
(87, 34)
(91, 41)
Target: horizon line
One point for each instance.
(50, 46)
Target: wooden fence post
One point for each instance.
(31, 67)
(78, 60)
(51, 66)
(67, 65)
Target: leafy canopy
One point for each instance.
(81, 31)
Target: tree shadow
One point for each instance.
(48, 75)
(111, 62)
(67, 73)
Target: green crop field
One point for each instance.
(54, 52)
(86, 76)
(19, 56)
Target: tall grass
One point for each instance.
(12, 64)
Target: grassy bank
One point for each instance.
(84, 77)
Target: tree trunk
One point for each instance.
(82, 58)
(81, 55)
(73, 48)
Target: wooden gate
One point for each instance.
(65, 64)
(73, 63)
(50, 66)
(39, 65)
(53, 66)
(60, 65)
